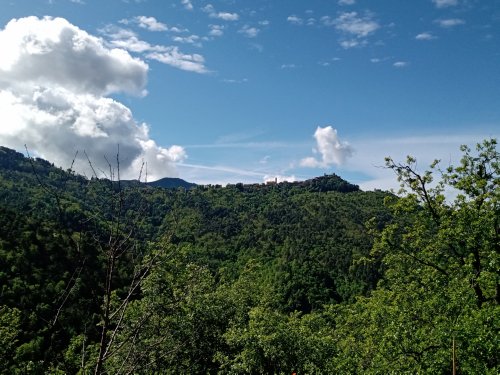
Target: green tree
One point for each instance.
(441, 264)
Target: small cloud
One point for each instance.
(375, 60)
(258, 47)
(311, 21)
(354, 24)
(450, 22)
(352, 43)
(226, 16)
(354, 27)
(81, 2)
(347, 2)
(294, 20)
(216, 30)
(191, 39)
(249, 32)
(127, 40)
(175, 29)
(235, 81)
(187, 4)
(288, 66)
(445, 3)
(400, 64)
(150, 23)
(209, 8)
(425, 36)
(331, 149)
(173, 57)
(264, 23)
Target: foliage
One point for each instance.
(441, 280)
(106, 276)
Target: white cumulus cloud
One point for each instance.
(54, 82)
(330, 148)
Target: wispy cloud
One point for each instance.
(400, 64)
(187, 4)
(354, 27)
(127, 39)
(235, 81)
(449, 22)
(352, 43)
(311, 21)
(225, 16)
(347, 2)
(249, 32)
(216, 30)
(425, 36)
(294, 20)
(445, 3)
(288, 66)
(173, 57)
(191, 39)
(222, 168)
(148, 23)
(370, 154)
(355, 24)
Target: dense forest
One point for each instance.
(104, 276)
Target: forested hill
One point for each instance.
(100, 276)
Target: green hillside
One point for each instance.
(101, 276)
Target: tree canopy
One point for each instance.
(311, 277)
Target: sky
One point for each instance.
(228, 91)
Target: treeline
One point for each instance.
(99, 276)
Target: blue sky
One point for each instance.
(244, 91)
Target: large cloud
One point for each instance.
(54, 78)
(332, 150)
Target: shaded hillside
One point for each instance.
(171, 183)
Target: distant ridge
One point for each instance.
(321, 184)
(172, 183)
(11, 160)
